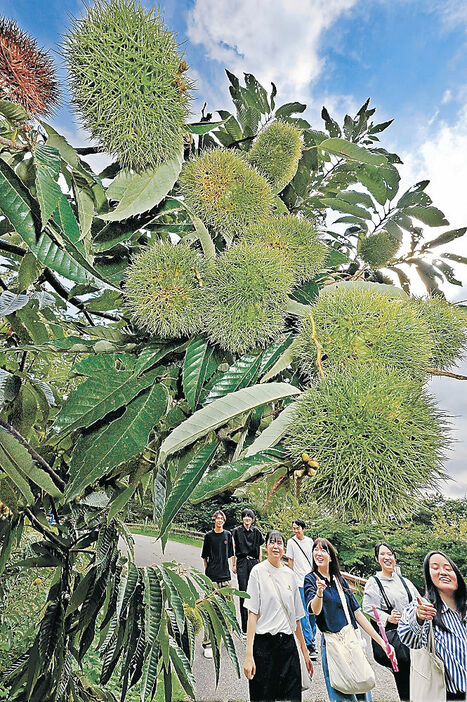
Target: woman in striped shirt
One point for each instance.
(445, 605)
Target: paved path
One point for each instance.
(231, 688)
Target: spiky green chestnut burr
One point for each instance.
(224, 191)
(356, 324)
(127, 81)
(276, 152)
(164, 290)
(378, 249)
(377, 435)
(448, 330)
(246, 297)
(295, 239)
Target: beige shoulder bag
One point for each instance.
(427, 681)
(349, 670)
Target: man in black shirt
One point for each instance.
(247, 539)
(217, 549)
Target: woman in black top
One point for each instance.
(247, 541)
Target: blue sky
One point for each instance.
(409, 56)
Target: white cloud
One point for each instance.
(278, 40)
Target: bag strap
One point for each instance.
(383, 593)
(343, 600)
(298, 544)
(409, 594)
(286, 611)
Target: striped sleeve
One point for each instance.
(411, 633)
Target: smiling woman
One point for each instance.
(445, 605)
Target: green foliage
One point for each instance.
(163, 290)
(448, 329)
(379, 440)
(246, 295)
(295, 239)
(123, 62)
(357, 324)
(276, 152)
(225, 192)
(379, 248)
(99, 413)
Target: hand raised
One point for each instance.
(321, 586)
(425, 610)
(394, 617)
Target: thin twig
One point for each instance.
(435, 371)
(13, 144)
(359, 273)
(319, 348)
(37, 457)
(38, 527)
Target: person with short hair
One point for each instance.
(275, 609)
(390, 593)
(300, 560)
(444, 604)
(247, 542)
(217, 549)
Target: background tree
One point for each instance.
(108, 389)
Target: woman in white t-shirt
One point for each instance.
(274, 609)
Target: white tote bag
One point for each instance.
(427, 681)
(349, 670)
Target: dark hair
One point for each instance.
(334, 563)
(432, 593)
(378, 546)
(276, 533)
(247, 512)
(219, 511)
(299, 523)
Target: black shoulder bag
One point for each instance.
(402, 652)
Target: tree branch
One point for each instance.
(11, 248)
(434, 371)
(38, 458)
(38, 527)
(88, 150)
(75, 301)
(13, 144)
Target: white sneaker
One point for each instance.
(207, 652)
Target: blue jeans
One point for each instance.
(333, 694)
(308, 623)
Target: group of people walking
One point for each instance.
(423, 640)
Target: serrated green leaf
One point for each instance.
(342, 206)
(9, 302)
(273, 433)
(229, 644)
(394, 230)
(182, 667)
(98, 395)
(195, 367)
(230, 475)
(153, 602)
(389, 290)
(455, 257)
(101, 450)
(13, 112)
(352, 152)
(20, 467)
(184, 486)
(149, 679)
(428, 215)
(371, 178)
(220, 412)
(204, 237)
(146, 190)
(355, 197)
(203, 127)
(29, 270)
(9, 386)
(448, 272)
(242, 373)
(17, 206)
(445, 238)
(173, 597)
(284, 360)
